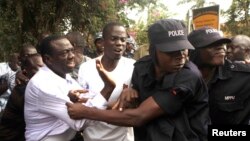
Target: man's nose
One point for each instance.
(71, 54)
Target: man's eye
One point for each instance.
(123, 39)
(66, 52)
(116, 38)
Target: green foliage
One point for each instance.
(28, 20)
(239, 19)
(155, 11)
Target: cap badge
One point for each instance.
(208, 31)
(175, 33)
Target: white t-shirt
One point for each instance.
(45, 110)
(89, 78)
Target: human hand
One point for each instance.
(109, 84)
(103, 74)
(75, 96)
(75, 110)
(21, 78)
(127, 99)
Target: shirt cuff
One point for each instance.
(98, 101)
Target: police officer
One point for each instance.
(228, 82)
(98, 44)
(173, 98)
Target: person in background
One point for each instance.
(98, 42)
(7, 77)
(98, 49)
(78, 42)
(120, 70)
(173, 98)
(26, 51)
(130, 48)
(46, 93)
(12, 126)
(228, 82)
(239, 49)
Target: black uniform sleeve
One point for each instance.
(172, 100)
(177, 90)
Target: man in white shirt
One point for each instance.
(47, 92)
(118, 69)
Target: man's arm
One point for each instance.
(146, 111)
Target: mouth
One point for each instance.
(179, 65)
(71, 64)
(220, 54)
(118, 50)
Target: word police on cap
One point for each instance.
(211, 31)
(175, 33)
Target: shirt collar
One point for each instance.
(67, 78)
(223, 72)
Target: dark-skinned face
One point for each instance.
(115, 43)
(35, 63)
(99, 45)
(213, 55)
(170, 62)
(62, 60)
(14, 62)
(235, 53)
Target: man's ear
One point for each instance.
(47, 59)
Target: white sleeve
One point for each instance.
(56, 106)
(97, 101)
(81, 79)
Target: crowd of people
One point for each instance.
(58, 90)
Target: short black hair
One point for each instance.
(108, 26)
(24, 47)
(45, 46)
(76, 39)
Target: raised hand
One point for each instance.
(109, 84)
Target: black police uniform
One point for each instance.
(229, 94)
(182, 95)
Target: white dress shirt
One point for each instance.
(89, 78)
(45, 110)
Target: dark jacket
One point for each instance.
(12, 126)
(182, 95)
(229, 94)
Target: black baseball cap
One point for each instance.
(169, 35)
(205, 36)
